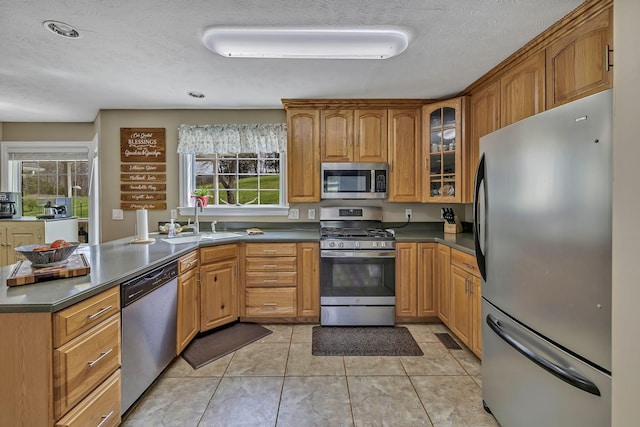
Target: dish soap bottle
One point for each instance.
(172, 228)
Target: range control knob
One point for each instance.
(357, 245)
(375, 244)
(382, 244)
(341, 245)
(332, 244)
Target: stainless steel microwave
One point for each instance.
(354, 180)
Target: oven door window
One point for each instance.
(357, 277)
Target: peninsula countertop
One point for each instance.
(117, 261)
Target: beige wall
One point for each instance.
(18, 131)
(109, 153)
(626, 206)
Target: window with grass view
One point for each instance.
(241, 179)
(44, 180)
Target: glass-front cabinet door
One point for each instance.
(442, 150)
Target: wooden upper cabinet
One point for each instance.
(353, 135)
(444, 141)
(336, 135)
(578, 63)
(405, 155)
(484, 119)
(522, 90)
(370, 135)
(303, 155)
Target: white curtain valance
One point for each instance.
(232, 138)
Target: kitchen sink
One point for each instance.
(194, 238)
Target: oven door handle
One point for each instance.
(357, 254)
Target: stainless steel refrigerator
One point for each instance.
(542, 225)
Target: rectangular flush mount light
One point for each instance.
(311, 43)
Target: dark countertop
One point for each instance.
(115, 262)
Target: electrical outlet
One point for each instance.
(117, 214)
(174, 213)
(294, 213)
(407, 213)
(311, 214)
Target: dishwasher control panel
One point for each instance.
(137, 288)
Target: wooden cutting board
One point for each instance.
(24, 273)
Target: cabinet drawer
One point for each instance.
(84, 362)
(271, 264)
(465, 261)
(271, 302)
(80, 317)
(270, 249)
(276, 279)
(188, 262)
(218, 253)
(100, 408)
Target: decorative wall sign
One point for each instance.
(143, 187)
(143, 205)
(142, 197)
(143, 177)
(143, 169)
(142, 145)
(146, 168)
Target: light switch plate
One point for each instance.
(174, 213)
(294, 213)
(117, 214)
(311, 214)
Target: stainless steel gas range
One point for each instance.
(357, 267)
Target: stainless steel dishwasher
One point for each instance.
(149, 305)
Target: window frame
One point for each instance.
(187, 184)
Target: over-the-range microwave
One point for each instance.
(354, 181)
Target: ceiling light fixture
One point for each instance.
(61, 29)
(309, 43)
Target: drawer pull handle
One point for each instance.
(270, 281)
(102, 356)
(269, 251)
(469, 265)
(105, 418)
(100, 312)
(270, 266)
(193, 261)
(270, 304)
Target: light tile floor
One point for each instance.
(277, 382)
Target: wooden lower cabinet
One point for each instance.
(465, 297)
(14, 234)
(62, 368)
(415, 272)
(219, 294)
(441, 282)
(218, 286)
(188, 316)
(100, 408)
(309, 280)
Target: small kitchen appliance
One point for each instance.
(354, 180)
(57, 207)
(10, 205)
(357, 267)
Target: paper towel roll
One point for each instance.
(142, 224)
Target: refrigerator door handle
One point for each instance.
(564, 374)
(480, 176)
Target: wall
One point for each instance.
(109, 153)
(14, 131)
(626, 205)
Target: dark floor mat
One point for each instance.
(363, 341)
(204, 350)
(448, 341)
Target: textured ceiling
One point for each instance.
(145, 54)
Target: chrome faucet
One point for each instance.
(196, 221)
